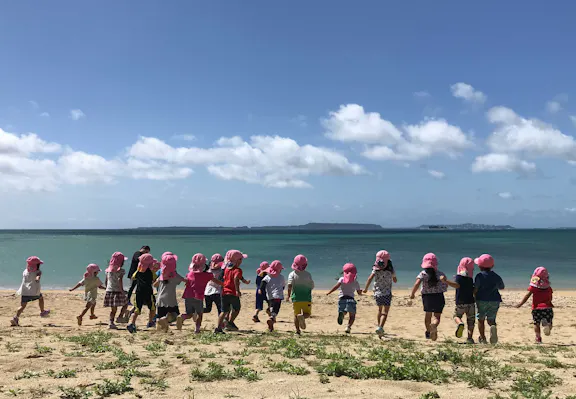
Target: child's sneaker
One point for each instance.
(482, 340)
(301, 321)
(348, 329)
(79, 318)
(546, 327)
(197, 330)
(427, 334)
(119, 320)
(44, 313)
(298, 333)
(538, 340)
(470, 341)
(14, 321)
(270, 323)
(434, 332)
(151, 324)
(460, 330)
(380, 331)
(255, 319)
(340, 317)
(112, 326)
(93, 317)
(131, 328)
(218, 330)
(179, 322)
(493, 334)
(163, 325)
(231, 326)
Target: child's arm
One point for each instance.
(452, 284)
(156, 283)
(289, 293)
(368, 282)
(334, 288)
(394, 278)
(262, 288)
(501, 284)
(415, 288)
(215, 281)
(523, 301)
(245, 281)
(237, 285)
(38, 276)
(76, 286)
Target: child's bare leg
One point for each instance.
(379, 322)
(41, 304)
(428, 320)
(297, 324)
(113, 310)
(458, 320)
(482, 329)
(21, 309)
(351, 318)
(221, 317)
(151, 315)
(384, 316)
(537, 331)
(92, 309)
(135, 316)
(88, 307)
(199, 318)
(233, 315)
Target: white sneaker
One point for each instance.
(493, 334)
(348, 329)
(301, 321)
(179, 322)
(546, 327)
(434, 332)
(380, 332)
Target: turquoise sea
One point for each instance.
(517, 252)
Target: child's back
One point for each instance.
(274, 286)
(488, 284)
(302, 285)
(465, 293)
(196, 284)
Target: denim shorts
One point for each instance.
(346, 305)
(487, 310)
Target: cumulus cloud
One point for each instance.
(467, 93)
(184, 137)
(45, 114)
(76, 114)
(553, 107)
(505, 195)
(436, 174)
(516, 139)
(385, 141)
(271, 161)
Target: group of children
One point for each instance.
(218, 283)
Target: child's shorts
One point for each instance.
(433, 303)
(468, 309)
(275, 307)
(230, 302)
(194, 306)
(487, 310)
(347, 305)
(164, 311)
(115, 299)
(145, 299)
(215, 299)
(383, 300)
(26, 299)
(540, 315)
(302, 307)
(260, 299)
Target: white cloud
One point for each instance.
(436, 174)
(271, 161)
(385, 141)
(467, 93)
(422, 94)
(505, 195)
(573, 119)
(184, 137)
(553, 107)
(571, 210)
(45, 114)
(26, 144)
(76, 114)
(34, 104)
(502, 163)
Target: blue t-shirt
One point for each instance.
(488, 283)
(464, 294)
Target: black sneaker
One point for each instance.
(427, 334)
(218, 330)
(231, 326)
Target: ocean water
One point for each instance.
(517, 252)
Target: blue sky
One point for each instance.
(125, 114)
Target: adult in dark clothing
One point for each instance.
(134, 266)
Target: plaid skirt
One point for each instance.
(115, 299)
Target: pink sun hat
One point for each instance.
(430, 261)
(263, 267)
(146, 262)
(91, 269)
(217, 258)
(198, 263)
(485, 261)
(116, 262)
(540, 278)
(300, 263)
(275, 268)
(168, 253)
(32, 264)
(466, 267)
(382, 256)
(168, 268)
(350, 273)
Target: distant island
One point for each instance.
(466, 226)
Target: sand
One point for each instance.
(34, 354)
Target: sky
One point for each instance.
(151, 113)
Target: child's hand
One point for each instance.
(247, 282)
(365, 291)
(239, 294)
(518, 305)
(260, 292)
(71, 289)
(412, 296)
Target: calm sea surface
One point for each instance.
(517, 252)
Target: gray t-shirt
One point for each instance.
(114, 281)
(167, 293)
(213, 288)
(274, 286)
(348, 289)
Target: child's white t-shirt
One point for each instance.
(29, 286)
(348, 289)
(274, 286)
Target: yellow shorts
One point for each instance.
(302, 307)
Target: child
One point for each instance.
(196, 282)
(300, 286)
(213, 293)
(541, 293)
(231, 292)
(348, 287)
(434, 285)
(144, 292)
(115, 295)
(486, 286)
(260, 296)
(91, 283)
(465, 303)
(383, 275)
(273, 285)
(30, 289)
(167, 303)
